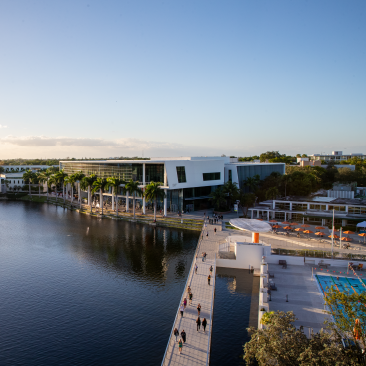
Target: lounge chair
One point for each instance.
(282, 263)
(360, 266)
(270, 275)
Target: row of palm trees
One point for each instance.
(93, 185)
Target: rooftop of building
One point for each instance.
(320, 199)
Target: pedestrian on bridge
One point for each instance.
(190, 298)
(204, 323)
(198, 322)
(180, 344)
(195, 268)
(209, 279)
(181, 309)
(176, 333)
(211, 268)
(199, 309)
(185, 303)
(183, 334)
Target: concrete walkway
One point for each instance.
(196, 350)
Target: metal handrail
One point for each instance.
(190, 276)
(212, 300)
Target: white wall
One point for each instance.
(194, 170)
(246, 255)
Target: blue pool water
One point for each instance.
(344, 284)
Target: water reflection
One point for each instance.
(84, 291)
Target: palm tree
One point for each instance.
(114, 183)
(30, 177)
(60, 177)
(44, 177)
(85, 184)
(272, 193)
(252, 182)
(53, 180)
(153, 192)
(98, 185)
(71, 179)
(133, 187)
(218, 197)
(231, 190)
(78, 177)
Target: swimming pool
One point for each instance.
(343, 284)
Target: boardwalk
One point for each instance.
(197, 348)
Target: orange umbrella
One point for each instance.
(346, 239)
(286, 223)
(335, 236)
(294, 223)
(319, 233)
(308, 232)
(299, 229)
(364, 235)
(319, 227)
(305, 225)
(277, 226)
(272, 221)
(287, 227)
(348, 232)
(260, 219)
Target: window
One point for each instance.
(230, 176)
(211, 176)
(181, 172)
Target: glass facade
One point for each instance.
(181, 173)
(250, 170)
(126, 171)
(211, 176)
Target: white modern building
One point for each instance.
(187, 181)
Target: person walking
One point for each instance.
(183, 335)
(196, 268)
(204, 323)
(185, 303)
(180, 344)
(215, 230)
(206, 233)
(199, 309)
(188, 290)
(176, 333)
(181, 309)
(211, 268)
(203, 256)
(198, 322)
(190, 298)
(209, 279)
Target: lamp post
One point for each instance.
(332, 233)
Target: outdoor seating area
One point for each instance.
(282, 263)
(356, 267)
(323, 264)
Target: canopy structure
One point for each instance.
(252, 225)
(362, 224)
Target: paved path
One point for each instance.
(197, 347)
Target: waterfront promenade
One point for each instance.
(196, 350)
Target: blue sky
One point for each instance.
(173, 78)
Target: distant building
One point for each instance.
(337, 156)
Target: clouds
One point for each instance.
(125, 143)
(1, 126)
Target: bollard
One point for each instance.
(286, 298)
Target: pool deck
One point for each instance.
(196, 351)
(304, 296)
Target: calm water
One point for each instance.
(75, 290)
(235, 309)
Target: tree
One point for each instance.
(280, 343)
(231, 190)
(78, 177)
(246, 200)
(252, 182)
(71, 179)
(269, 155)
(44, 177)
(285, 180)
(114, 183)
(98, 185)
(53, 180)
(29, 177)
(60, 177)
(218, 198)
(346, 308)
(133, 188)
(272, 193)
(153, 192)
(86, 184)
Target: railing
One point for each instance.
(212, 301)
(189, 278)
(318, 254)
